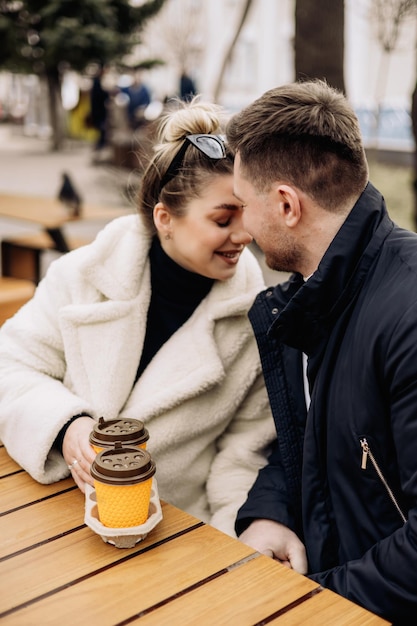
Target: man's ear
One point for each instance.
(289, 205)
(162, 219)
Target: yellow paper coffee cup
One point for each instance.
(123, 481)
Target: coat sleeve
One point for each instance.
(383, 580)
(34, 402)
(277, 490)
(267, 499)
(242, 450)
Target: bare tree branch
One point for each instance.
(227, 57)
(389, 15)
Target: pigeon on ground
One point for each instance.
(69, 196)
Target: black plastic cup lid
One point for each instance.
(122, 466)
(128, 431)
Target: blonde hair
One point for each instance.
(187, 118)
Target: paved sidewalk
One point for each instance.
(28, 166)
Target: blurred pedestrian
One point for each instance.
(187, 87)
(139, 98)
(99, 100)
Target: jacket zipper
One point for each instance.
(366, 452)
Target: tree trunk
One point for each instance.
(319, 41)
(414, 126)
(55, 108)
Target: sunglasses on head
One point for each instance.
(210, 145)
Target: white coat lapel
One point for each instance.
(103, 343)
(196, 357)
(187, 364)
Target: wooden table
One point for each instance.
(13, 294)
(51, 215)
(55, 570)
(21, 255)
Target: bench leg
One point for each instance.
(20, 262)
(58, 238)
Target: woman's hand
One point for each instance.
(78, 452)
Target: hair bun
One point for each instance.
(191, 118)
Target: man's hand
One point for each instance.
(78, 452)
(277, 541)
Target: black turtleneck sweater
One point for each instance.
(176, 293)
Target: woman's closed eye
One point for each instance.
(224, 223)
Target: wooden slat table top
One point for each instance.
(50, 212)
(184, 572)
(93, 584)
(18, 490)
(325, 608)
(20, 532)
(227, 596)
(7, 465)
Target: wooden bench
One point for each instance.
(14, 293)
(21, 255)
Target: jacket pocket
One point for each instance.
(367, 454)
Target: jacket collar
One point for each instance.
(117, 261)
(309, 310)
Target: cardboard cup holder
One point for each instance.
(122, 537)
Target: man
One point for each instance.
(187, 87)
(139, 98)
(99, 102)
(338, 344)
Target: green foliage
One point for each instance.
(41, 36)
(394, 181)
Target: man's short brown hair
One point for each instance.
(305, 134)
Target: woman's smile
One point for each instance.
(231, 257)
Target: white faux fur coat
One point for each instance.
(76, 347)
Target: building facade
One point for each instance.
(197, 34)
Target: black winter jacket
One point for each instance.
(356, 319)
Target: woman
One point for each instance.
(150, 321)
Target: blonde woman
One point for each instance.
(150, 322)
